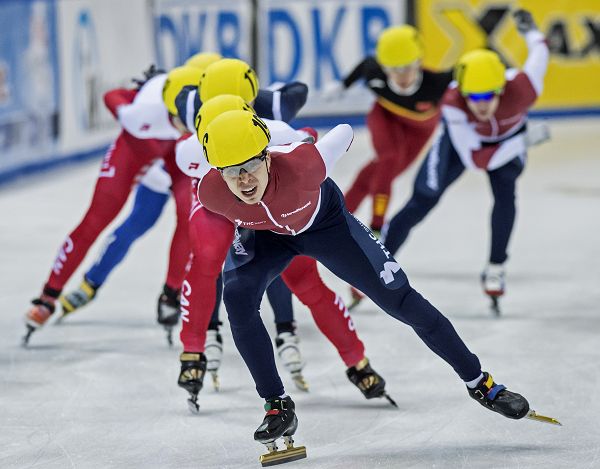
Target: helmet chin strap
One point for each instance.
(406, 91)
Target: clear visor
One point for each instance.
(405, 68)
(250, 166)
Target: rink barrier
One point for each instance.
(11, 175)
(15, 174)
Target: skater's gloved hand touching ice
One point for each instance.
(524, 21)
(333, 91)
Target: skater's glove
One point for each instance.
(537, 134)
(150, 72)
(193, 368)
(524, 21)
(333, 91)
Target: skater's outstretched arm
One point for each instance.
(357, 73)
(113, 99)
(334, 144)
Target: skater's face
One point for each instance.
(249, 181)
(485, 108)
(404, 77)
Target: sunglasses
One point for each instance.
(250, 166)
(478, 97)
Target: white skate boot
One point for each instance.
(493, 282)
(213, 349)
(289, 353)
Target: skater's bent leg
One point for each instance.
(438, 171)
(179, 251)
(390, 143)
(327, 308)
(244, 286)
(374, 271)
(210, 238)
(405, 220)
(147, 207)
(503, 181)
(360, 187)
(110, 194)
(102, 211)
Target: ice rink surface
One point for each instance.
(99, 391)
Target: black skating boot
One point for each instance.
(499, 399)
(370, 383)
(280, 421)
(168, 311)
(191, 376)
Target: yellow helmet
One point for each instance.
(234, 137)
(480, 71)
(215, 106)
(229, 76)
(202, 59)
(399, 46)
(177, 79)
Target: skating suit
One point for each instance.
(302, 213)
(400, 125)
(497, 146)
(146, 136)
(211, 237)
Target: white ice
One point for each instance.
(99, 391)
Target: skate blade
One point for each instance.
(300, 382)
(391, 401)
(27, 336)
(215, 380)
(533, 415)
(280, 457)
(495, 306)
(169, 331)
(193, 405)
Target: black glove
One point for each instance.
(151, 72)
(524, 21)
(193, 369)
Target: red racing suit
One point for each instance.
(128, 156)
